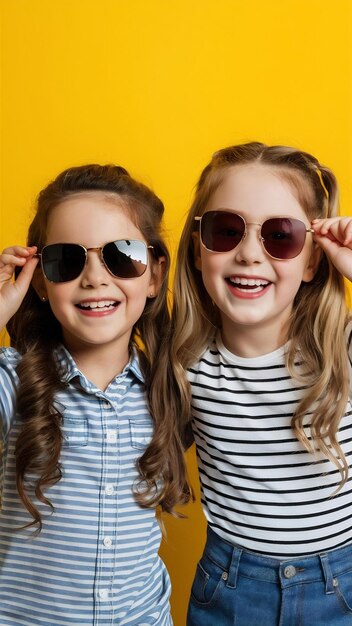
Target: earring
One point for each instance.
(151, 295)
(44, 299)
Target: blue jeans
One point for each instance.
(235, 587)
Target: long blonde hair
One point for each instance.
(317, 328)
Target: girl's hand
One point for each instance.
(12, 292)
(334, 236)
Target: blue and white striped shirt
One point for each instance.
(95, 562)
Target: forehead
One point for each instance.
(89, 198)
(91, 217)
(259, 189)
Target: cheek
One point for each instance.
(291, 278)
(58, 295)
(211, 275)
(137, 291)
(210, 264)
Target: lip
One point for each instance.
(97, 312)
(252, 287)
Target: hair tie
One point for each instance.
(326, 193)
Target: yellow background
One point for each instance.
(157, 86)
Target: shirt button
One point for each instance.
(103, 594)
(107, 541)
(290, 571)
(109, 490)
(111, 436)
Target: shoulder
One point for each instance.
(348, 332)
(138, 366)
(9, 358)
(209, 358)
(348, 336)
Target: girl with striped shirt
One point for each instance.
(87, 453)
(261, 326)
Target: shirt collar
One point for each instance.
(68, 369)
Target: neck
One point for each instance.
(247, 342)
(100, 365)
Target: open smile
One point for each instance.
(241, 286)
(97, 307)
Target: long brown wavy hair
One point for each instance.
(35, 333)
(319, 317)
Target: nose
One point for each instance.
(251, 249)
(94, 272)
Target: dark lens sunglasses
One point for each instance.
(281, 237)
(125, 258)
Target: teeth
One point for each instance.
(98, 305)
(248, 282)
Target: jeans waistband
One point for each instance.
(286, 572)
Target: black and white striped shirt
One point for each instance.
(261, 490)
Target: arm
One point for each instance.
(12, 291)
(334, 236)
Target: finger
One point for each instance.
(342, 231)
(348, 233)
(330, 245)
(24, 251)
(323, 226)
(338, 229)
(10, 259)
(16, 255)
(12, 293)
(24, 278)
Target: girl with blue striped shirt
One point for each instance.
(87, 453)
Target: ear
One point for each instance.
(196, 250)
(157, 276)
(312, 264)
(38, 284)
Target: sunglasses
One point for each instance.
(282, 237)
(124, 258)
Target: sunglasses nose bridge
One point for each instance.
(258, 231)
(94, 259)
(247, 248)
(99, 251)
